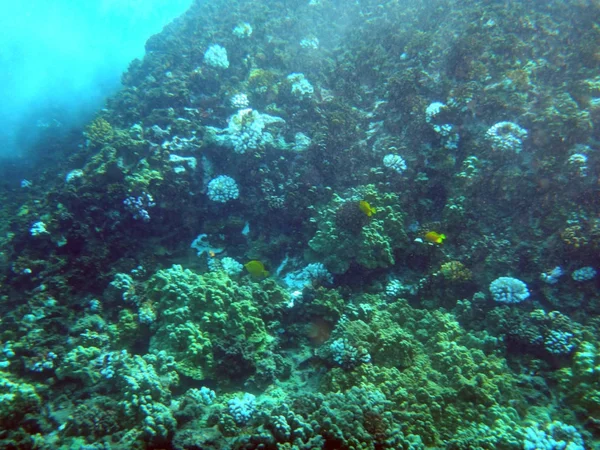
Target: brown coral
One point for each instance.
(574, 236)
(99, 132)
(455, 271)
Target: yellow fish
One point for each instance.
(435, 237)
(366, 208)
(256, 269)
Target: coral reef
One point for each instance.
(318, 225)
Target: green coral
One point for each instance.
(17, 399)
(77, 364)
(392, 344)
(142, 176)
(373, 247)
(580, 383)
(105, 165)
(328, 304)
(126, 331)
(446, 382)
(99, 133)
(563, 120)
(262, 82)
(143, 387)
(209, 323)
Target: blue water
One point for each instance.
(62, 59)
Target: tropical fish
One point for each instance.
(256, 269)
(366, 208)
(435, 237)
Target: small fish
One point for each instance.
(366, 208)
(256, 269)
(435, 237)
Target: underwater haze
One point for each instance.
(62, 58)
(301, 224)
